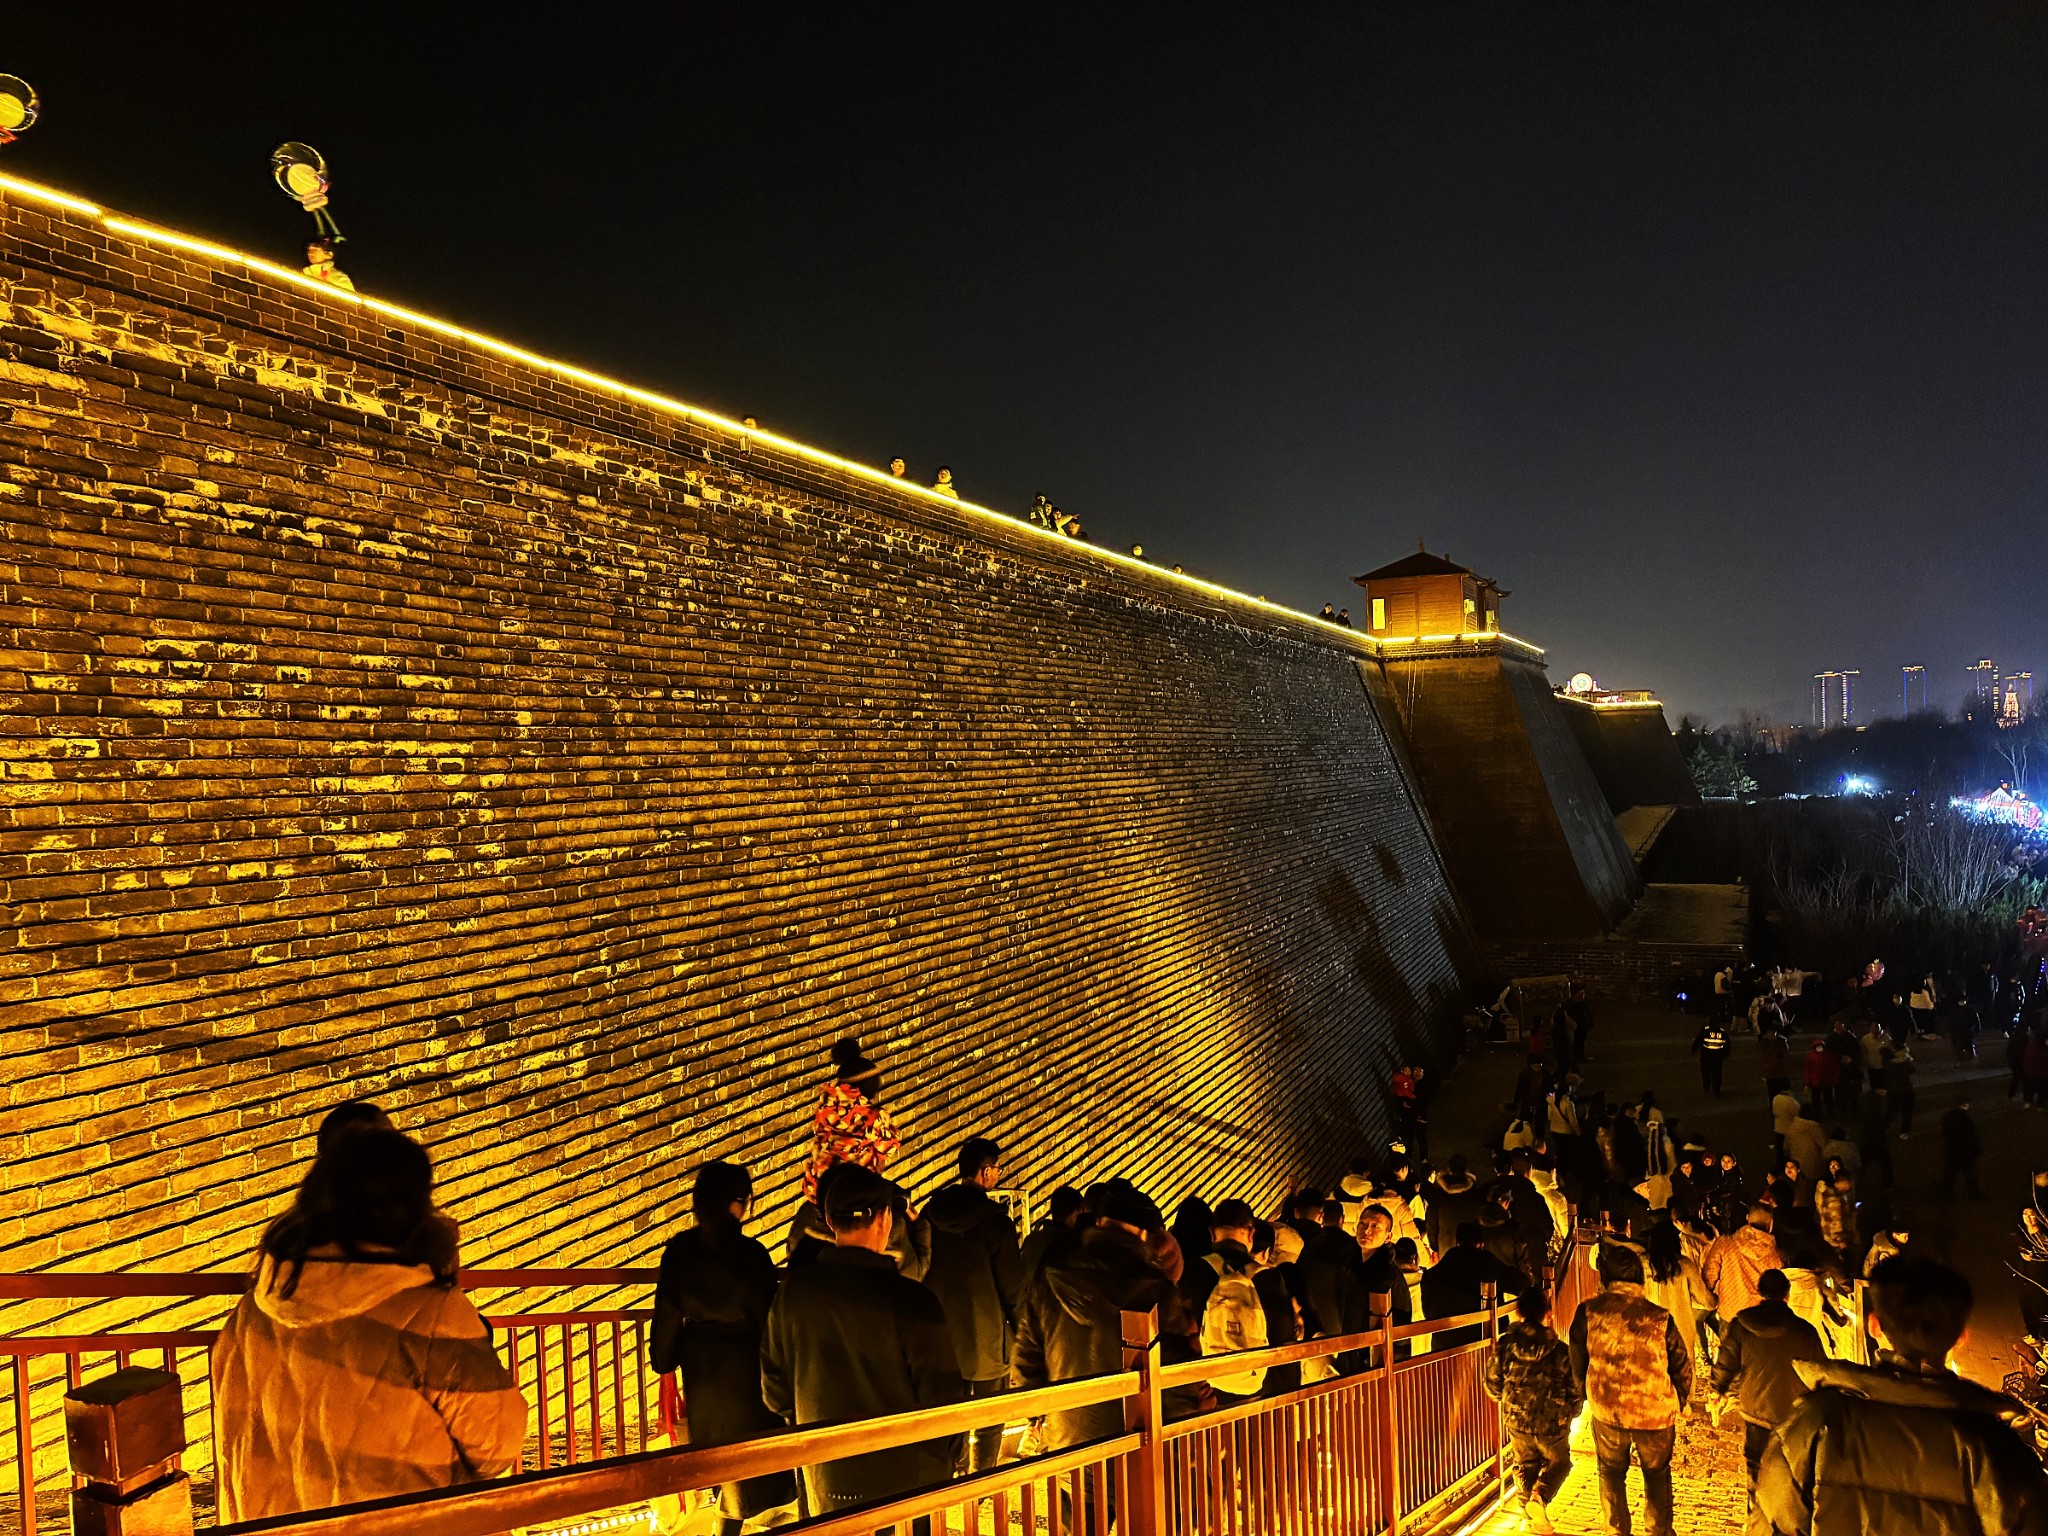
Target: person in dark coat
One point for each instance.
(1530, 1375)
(978, 1275)
(710, 1305)
(1755, 1361)
(1331, 1276)
(1902, 1446)
(1961, 1146)
(1502, 1236)
(1071, 1324)
(851, 1338)
(1455, 1197)
(1054, 1235)
(1456, 1284)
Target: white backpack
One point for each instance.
(1235, 1319)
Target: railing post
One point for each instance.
(1145, 1413)
(1382, 1304)
(1489, 1290)
(125, 1433)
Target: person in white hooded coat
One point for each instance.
(354, 1369)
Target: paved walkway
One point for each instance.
(1638, 1048)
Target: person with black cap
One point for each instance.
(850, 1338)
(978, 1275)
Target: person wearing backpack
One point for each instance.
(1529, 1373)
(1242, 1304)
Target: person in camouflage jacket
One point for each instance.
(1530, 1375)
(1636, 1369)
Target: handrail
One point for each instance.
(85, 1285)
(535, 1498)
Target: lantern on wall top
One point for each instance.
(301, 171)
(18, 107)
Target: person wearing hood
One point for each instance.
(1756, 1359)
(1529, 1373)
(1903, 1445)
(1734, 1263)
(353, 1368)
(1071, 1325)
(1354, 1190)
(1454, 1199)
(978, 1275)
(1502, 1236)
(851, 1338)
(711, 1303)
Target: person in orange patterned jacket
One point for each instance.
(1635, 1369)
(850, 1126)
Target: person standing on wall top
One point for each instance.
(1903, 1445)
(850, 1338)
(943, 483)
(710, 1306)
(898, 469)
(1636, 1373)
(978, 1275)
(354, 1368)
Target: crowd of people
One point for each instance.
(355, 1368)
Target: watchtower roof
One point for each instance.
(1421, 563)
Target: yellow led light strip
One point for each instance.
(1468, 637)
(152, 234)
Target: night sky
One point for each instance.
(1717, 333)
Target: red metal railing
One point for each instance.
(583, 1371)
(1410, 1443)
(1327, 1459)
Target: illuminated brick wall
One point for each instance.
(384, 717)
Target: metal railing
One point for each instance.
(1324, 1459)
(583, 1371)
(1408, 1443)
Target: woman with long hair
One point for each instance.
(1673, 1281)
(710, 1306)
(353, 1368)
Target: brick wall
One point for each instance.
(1531, 844)
(380, 715)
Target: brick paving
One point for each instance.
(1710, 1487)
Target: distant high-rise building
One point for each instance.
(1913, 690)
(2018, 700)
(1834, 698)
(1983, 677)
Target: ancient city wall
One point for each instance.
(384, 715)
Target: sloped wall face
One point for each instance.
(384, 717)
(1632, 753)
(1605, 866)
(1487, 800)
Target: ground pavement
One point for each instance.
(1637, 1048)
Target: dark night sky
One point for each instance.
(1716, 332)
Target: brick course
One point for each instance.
(381, 715)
